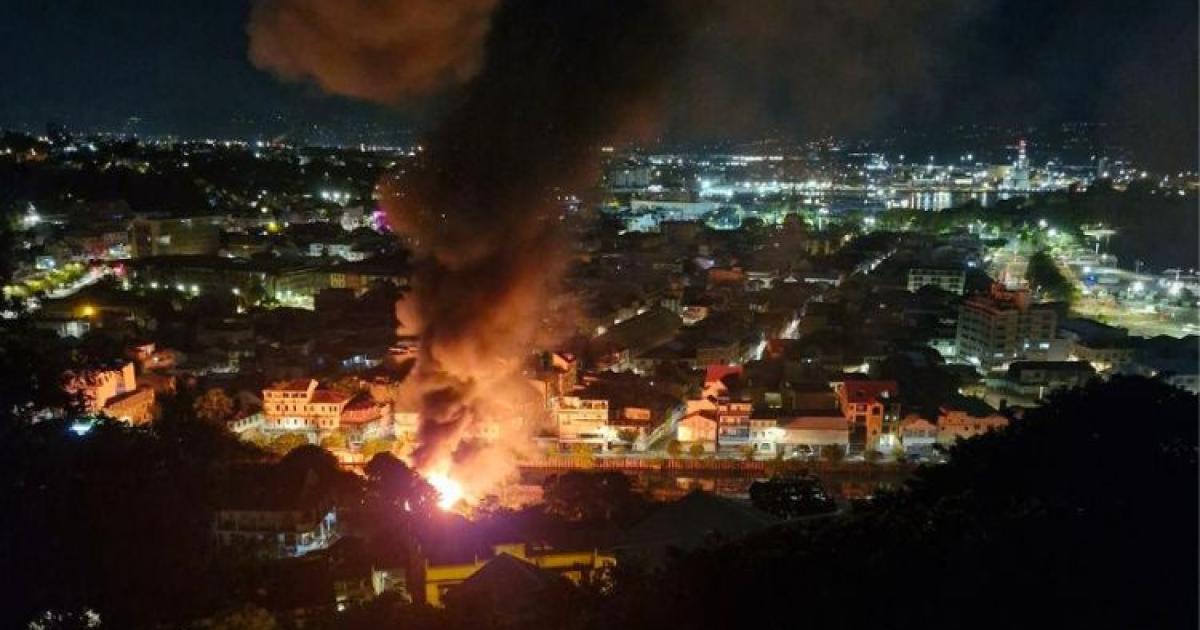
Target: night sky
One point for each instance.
(862, 66)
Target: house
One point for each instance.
(299, 405)
(114, 392)
(263, 509)
(797, 432)
(917, 435)
(872, 409)
(965, 417)
(363, 419)
(1036, 379)
(714, 420)
(638, 411)
(132, 407)
(580, 567)
(581, 421)
(1107, 348)
(1173, 360)
(698, 427)
(279, 530)
(810, 431)
(507, 589)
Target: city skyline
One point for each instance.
(599, 314)
(183, 68)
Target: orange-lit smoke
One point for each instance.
(558, 80)
(377, 50)
(553, 81)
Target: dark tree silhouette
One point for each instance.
(1081, 515)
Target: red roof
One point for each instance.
(329, 396)
(716, 372)
(359, 403)
(868, 391)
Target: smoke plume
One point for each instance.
(557, 80)
(554, 81)
(540, 85)
(377, 50)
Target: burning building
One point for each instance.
(536, 87)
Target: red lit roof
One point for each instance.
(360, 403)
(715, 373)
(868, 391)
(329, 396)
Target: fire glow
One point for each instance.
(450, 492)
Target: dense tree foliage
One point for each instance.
(214, 406)
(393, 486)
(117, 520)
(791, 497)
(1044, 276)
(591, 497)
(1082, 515)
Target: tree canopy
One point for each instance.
(1081, 515)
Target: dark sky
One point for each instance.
(178, 64)
(842, 66)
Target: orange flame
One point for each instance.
(450, 492)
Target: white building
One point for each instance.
(951, 280)
(581, 421)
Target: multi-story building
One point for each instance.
(733, 424)
(364, 419)
(873, 411)
(998, 328)
(581, 421)
(262, 507)
(300, 406)
(1036, 379)
(950, 280)
(279, 531)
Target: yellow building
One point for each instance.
(577, 566)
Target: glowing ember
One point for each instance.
(450, 492)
